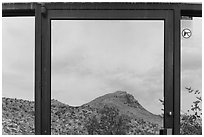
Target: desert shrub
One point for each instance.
(191, 122)
(108, 122)
(190, 125)
(142, 127)
(92, 125)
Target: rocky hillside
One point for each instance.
(18, 116)
(127, 104)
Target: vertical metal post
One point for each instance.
(177, 74)
(168, 71)
(46, 72)
(42, 72)
(38, 70)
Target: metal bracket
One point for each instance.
(166, 131)
(43, 10)
(186, 18)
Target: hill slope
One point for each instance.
(127, 104)
(18, 115)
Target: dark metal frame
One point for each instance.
(44, 12)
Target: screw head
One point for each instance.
(43, 11)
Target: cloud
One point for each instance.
(92, 58)
(191, 74)
(191, 56)
(18, 57)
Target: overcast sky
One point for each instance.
(92, 58)
(191, 61)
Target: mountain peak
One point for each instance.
(127, 98)
(120, 92)
(126, 104)
(118, 98)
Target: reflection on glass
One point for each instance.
(191, 84)
(107, 76)
(18, 35)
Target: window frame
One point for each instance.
(44, 12)
(134, 14)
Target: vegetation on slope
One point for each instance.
(109, 118)
(111, 114)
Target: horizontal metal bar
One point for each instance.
(191, 13)
(18, 9)
(120, 6)
(107, 15)
(28, 9)
(102, 5)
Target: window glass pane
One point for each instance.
(18, 35)
(191, 84)
(107, 74)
